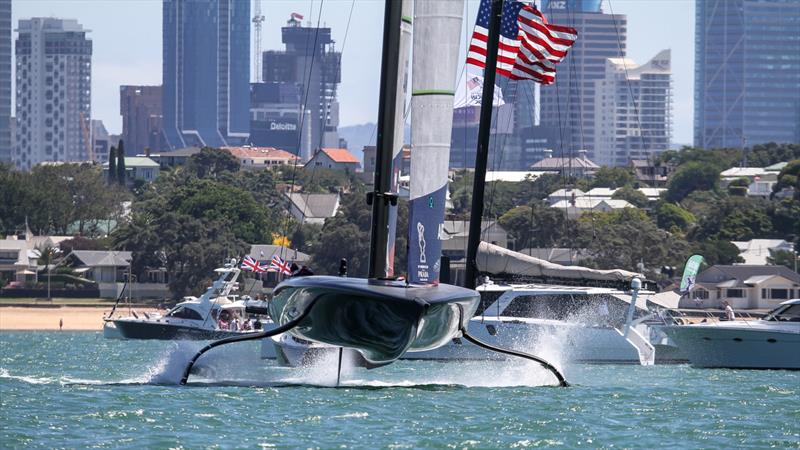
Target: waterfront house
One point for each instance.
(577, 207)
(756, 251)
(456, 233)
(580, 166)
(333, 158)
(138, 168)
(262, 157)
(743, 286)
(313, 208)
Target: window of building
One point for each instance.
(701, 294)
(736, 293)
(779, 294)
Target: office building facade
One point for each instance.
(142, 120)
(316, 69)
(54, 76)
(5, 81)
(747, 72)
(206, 69)
(275, 113)
(633, 110)
(568, 104)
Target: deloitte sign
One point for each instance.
(282, 126)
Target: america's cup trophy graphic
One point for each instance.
(421, 240)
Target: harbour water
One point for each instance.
(78, 390)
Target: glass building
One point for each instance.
(206, 67)
(5, 81)
(747, 72)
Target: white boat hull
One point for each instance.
(738, 347)
(576, 343)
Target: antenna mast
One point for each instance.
(257, 19)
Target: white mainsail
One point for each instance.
(435, 62)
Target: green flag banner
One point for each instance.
(690, 273)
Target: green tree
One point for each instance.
(211, 163)
(112, 165)
(738, 187)
(534, 226)
(632, 196)
(672, 217)
(717, 251)
(121, 173)
(789, 177)
(690, 177)
(613, 177)
(783, 258)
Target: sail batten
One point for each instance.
(435, 62)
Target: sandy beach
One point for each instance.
(75, 318)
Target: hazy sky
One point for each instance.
(126, 36)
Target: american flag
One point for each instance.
(279, 265)
(251, 265)
(529, 48)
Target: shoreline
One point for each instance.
(54, 317)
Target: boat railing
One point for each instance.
(694, 316)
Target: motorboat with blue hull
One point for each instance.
(380, 319)
(769, 343)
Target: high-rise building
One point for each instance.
(142, 121)
(311, 61)
(633, 110)
(206, 72)
(275, 111)
(568, 104)
(101, 141)
(54, 82)
(747, 72)
(5, 81)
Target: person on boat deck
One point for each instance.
(729, 315)
(223, 320)
(234, 324)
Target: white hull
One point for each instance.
(110, 331)
(575, 343)
(739, 345)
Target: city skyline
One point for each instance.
(118, 62)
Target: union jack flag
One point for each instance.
(279, 265)
(251, 265)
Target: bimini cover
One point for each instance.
(496, 260)
(381, 321)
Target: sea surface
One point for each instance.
(78, 390)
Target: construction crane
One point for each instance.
(87, 138)
(257, 19)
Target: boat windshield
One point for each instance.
(182, 312)
(785, 313)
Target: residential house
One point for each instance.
(174, 158)
(761, 180)
(743, 286)
(580, 166)
(653, 174)
(102, 266)
(513, 176)
(19, 256)
(262, 157)
(577, 207)
(313, 208)
(138, 168)
(333, 158)
(756, 251)
(566, 194)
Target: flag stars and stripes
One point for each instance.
(529, 47)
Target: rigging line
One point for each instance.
(302, 123)
(467, 39)
(561, 126)
(627, 78)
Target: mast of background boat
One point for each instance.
(381, 197)
(399, 125)
(436, 43)
(482, 153)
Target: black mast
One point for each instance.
(482, 154)
(381, 196)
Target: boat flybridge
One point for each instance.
(772, 342)
(204, 318)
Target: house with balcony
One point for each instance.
(743, 286)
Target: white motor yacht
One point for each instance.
(769, 343)
(207, 317)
